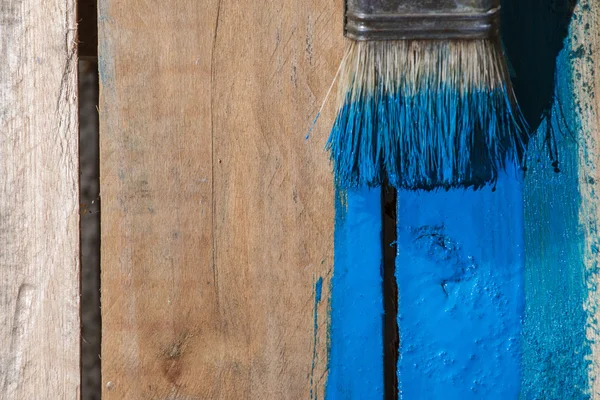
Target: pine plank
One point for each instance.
(39, 211)
(217, 213)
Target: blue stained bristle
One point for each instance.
(438, 137)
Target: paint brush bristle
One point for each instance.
(424, 114)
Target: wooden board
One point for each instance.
(217, 212)
(39, 211)
(459, 273)
(356, 350)
(585, 53)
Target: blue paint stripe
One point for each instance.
(356, 336)
(459, 271)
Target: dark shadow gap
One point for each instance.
(87, 29)
(89, 195)
(533, 33)
(390, 293)
(89, 198)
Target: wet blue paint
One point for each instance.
(318, 291)
(555, 345)
(356, 336)
(459, 272)
(538, 36)
(312, 126)
(442, 136)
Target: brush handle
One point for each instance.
(421, 19)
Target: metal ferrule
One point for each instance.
(421, 19)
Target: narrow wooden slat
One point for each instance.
(39, 212)
(356, 358)
(217, 213)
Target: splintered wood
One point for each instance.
(217, 212)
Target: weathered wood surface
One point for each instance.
(586, 52)
(39, 211)
(217, 213)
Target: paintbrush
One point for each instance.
(424, 96)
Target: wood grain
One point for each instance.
(586, 43)
(217, 213)
(39, 212)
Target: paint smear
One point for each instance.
(356, 336)
(555, 351)
(541, 41)
(459, 272)
(318, 295)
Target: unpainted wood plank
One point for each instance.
(273, 199)
(39, 212)
(158, 303)
(217, 212)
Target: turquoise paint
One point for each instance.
(537, 39)
(459, 272)
(555, 344)
(356, 336)
(469, 134)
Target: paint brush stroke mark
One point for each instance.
(551, 50)
(556, 353)
(459, 271)
(356, 330)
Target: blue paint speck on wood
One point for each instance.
(318, 296)
(318, 290)
(356, 337)
(459, 272)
